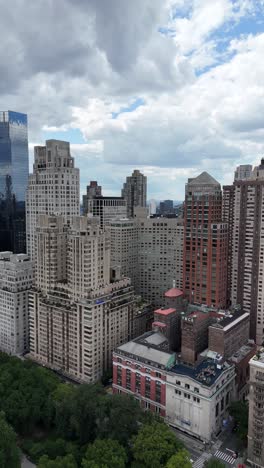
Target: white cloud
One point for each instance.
(76, 72)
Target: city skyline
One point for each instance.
(143, 93)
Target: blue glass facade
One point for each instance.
(13, 180)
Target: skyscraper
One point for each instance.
(248, 249)
(13, 180)
(135, 192)
(150, 251)
(78, 316)
(53, 188)
(205, 243)
(92, 190)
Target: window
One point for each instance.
(197, 400)
(147, 370)
(196, 390)
(217, 410)
(138, 383)
(186, 395)
(128, 379)
(158, 374)
(178, 382)
(187, 386)
(178, 392)
(119, 375)
(158, 392)
(147, 387)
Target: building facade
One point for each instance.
(77, 315)
(135, 192)
(16, 278)
(53, 188)
(150, 252)
(205, 243)
(92, 190)
(248, 250)
(107, 209)
(192, 399)
(13, 180)
(256, 411)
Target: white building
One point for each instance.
(53, 188)
(197, 398)
(16, 278)
(256, 411)
(78, 316)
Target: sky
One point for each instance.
(170, 87)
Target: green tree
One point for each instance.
(180, 460)
(154, 445)
(59, 462)
(9, 453)
(123, 409)
(239, 411)
(105, 454)
(213, 464)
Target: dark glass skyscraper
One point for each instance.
(13, 180)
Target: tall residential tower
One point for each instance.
(53, 188)
(205, 243)
(135, 192)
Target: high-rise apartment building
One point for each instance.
(107, 209)
(78, 316)
(256, 410)
(13, 180)
(53, 188)
(135, 192)
(16, 277)
(205, 243)
(243, 172)
(248, 249)
(150, 252)
(92, 190)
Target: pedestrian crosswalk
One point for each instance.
(225, 457)
(199, 463)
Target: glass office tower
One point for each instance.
(13, 180)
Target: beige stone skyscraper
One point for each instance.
(150, 251)
(135, 192)
(78, 316)
(53, 188)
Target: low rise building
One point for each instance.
(192, 399)
(16, 277)
(229, 333)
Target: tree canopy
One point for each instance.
(105, 454)
(9, 453)
(154, 445)
(181, 459)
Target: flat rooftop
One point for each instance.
(206, 372)
(165, 311)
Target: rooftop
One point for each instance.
(258, 359)
(243, 352)
(173, 292)
(165, 311)
(206, 372)
(230, 319)
(147, 353)
(204, 178)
